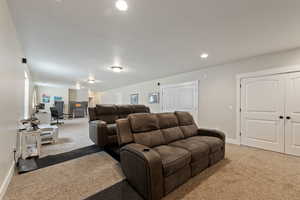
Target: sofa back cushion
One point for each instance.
(149, 138)
(106, 109)
(107, 113)
(184, 118)
(189, 130)
(124, 110)
(172, 134)
(168, 123)
(145, 129)
(140, 109)
(142, 122)
(167, 120)
(187, 124)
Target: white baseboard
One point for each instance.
(7, 180)
(232, 141)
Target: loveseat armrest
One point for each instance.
(98, 132)
(212, 132)
(142, 167)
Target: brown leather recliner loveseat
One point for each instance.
(102, 122)
(162, 151)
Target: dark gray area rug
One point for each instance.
(32, 164)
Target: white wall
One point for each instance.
(79, 95)
(53, 91)
(217, 88)
(12, 93)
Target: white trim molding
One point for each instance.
(239, 77)
(7, 180)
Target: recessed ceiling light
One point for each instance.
(116, 69)
(91, 81)
(121, 5)
(204, 55)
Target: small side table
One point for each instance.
(49, 133)
(30, 143)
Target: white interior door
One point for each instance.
(180, 97)
(262, 104)
(292, 116)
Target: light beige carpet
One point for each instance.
(72, 180)
(245, 174)
(73, 134)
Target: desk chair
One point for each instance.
(56, 116)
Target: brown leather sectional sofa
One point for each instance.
(162, 151)
(102, 122)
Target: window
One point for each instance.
(34, 99)
(26, 96)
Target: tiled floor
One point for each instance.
(73, 134)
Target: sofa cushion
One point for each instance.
(167, 120)
(141, 122)
(189, 130)
(214, 143)
(107, 113)
(172, 134)
(173, 158)
(125, 109)
(140, 109)
(184, 118)
(198, 149)
(109, 119)
(149, 138)
(111, 129)
(106, 109)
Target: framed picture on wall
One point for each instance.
(57, 98)
(134, 99)
(46, 98)
(153, 98)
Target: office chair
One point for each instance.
(56, 116)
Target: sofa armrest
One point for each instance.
(142, 167)
(212, 132)
(98, 132)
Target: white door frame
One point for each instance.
(239, 77)
(196, 94)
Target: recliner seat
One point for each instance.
(162, 151)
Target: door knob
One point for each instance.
(288, 117)
(280, 117)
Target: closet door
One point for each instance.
(292, 116)
(262, 114)
(180, 97)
